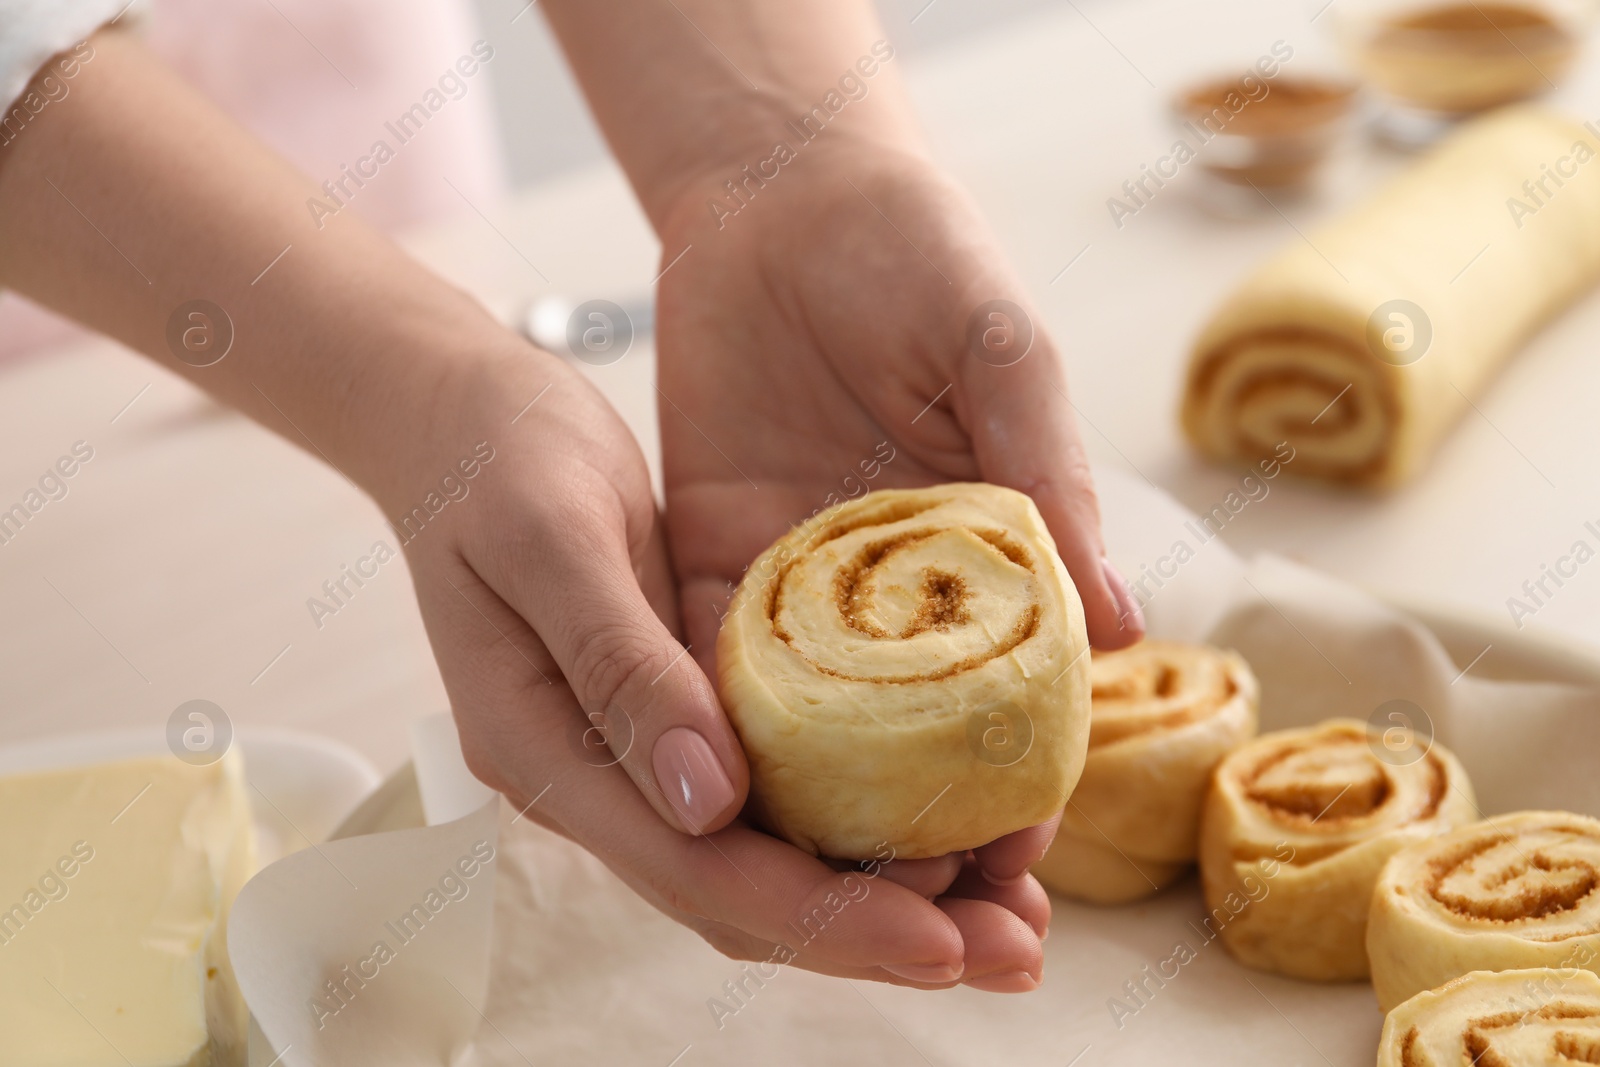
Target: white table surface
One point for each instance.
(180, 564)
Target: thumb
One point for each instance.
(1026, 438)
(641, 691)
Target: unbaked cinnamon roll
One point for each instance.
(1354, 350)
(1296, 827)
(1520, 890)
(1541, 1017)
(1162, 714)
(909, 670)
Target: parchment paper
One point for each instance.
(584, 972)
(375, 949)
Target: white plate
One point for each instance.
(301, 785)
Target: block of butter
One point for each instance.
(115, 882)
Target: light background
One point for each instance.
(547, 128)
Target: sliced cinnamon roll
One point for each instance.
(908, 670)
(1539, 1017)
(1520, 890)
(1162, 714)
(1297, 826)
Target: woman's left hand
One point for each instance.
(840, 332)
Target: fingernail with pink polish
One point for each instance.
(934, 974)
(1129, 615)
(691, 776)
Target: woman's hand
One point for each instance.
(835, 334)
(544, 589)
(830, 314)
(853, 310)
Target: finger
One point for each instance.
(774, 894)
(654, 571)
(1026, 438)
(773, 890)
(1008, 858)
(498, 674)
(1003, 953)
(925, 877)
(633, 679)
(762, 957)
(1025, 898)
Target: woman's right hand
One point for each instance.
(550, 604)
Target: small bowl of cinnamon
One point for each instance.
(1270, 133)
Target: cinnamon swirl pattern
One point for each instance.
(1295, 830)
(1360, 346)
(1520, 890)
(908, 669)
(1162, 715)
(1539, 1017)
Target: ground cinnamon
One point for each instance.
(1291, 105)
(1268, 133)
